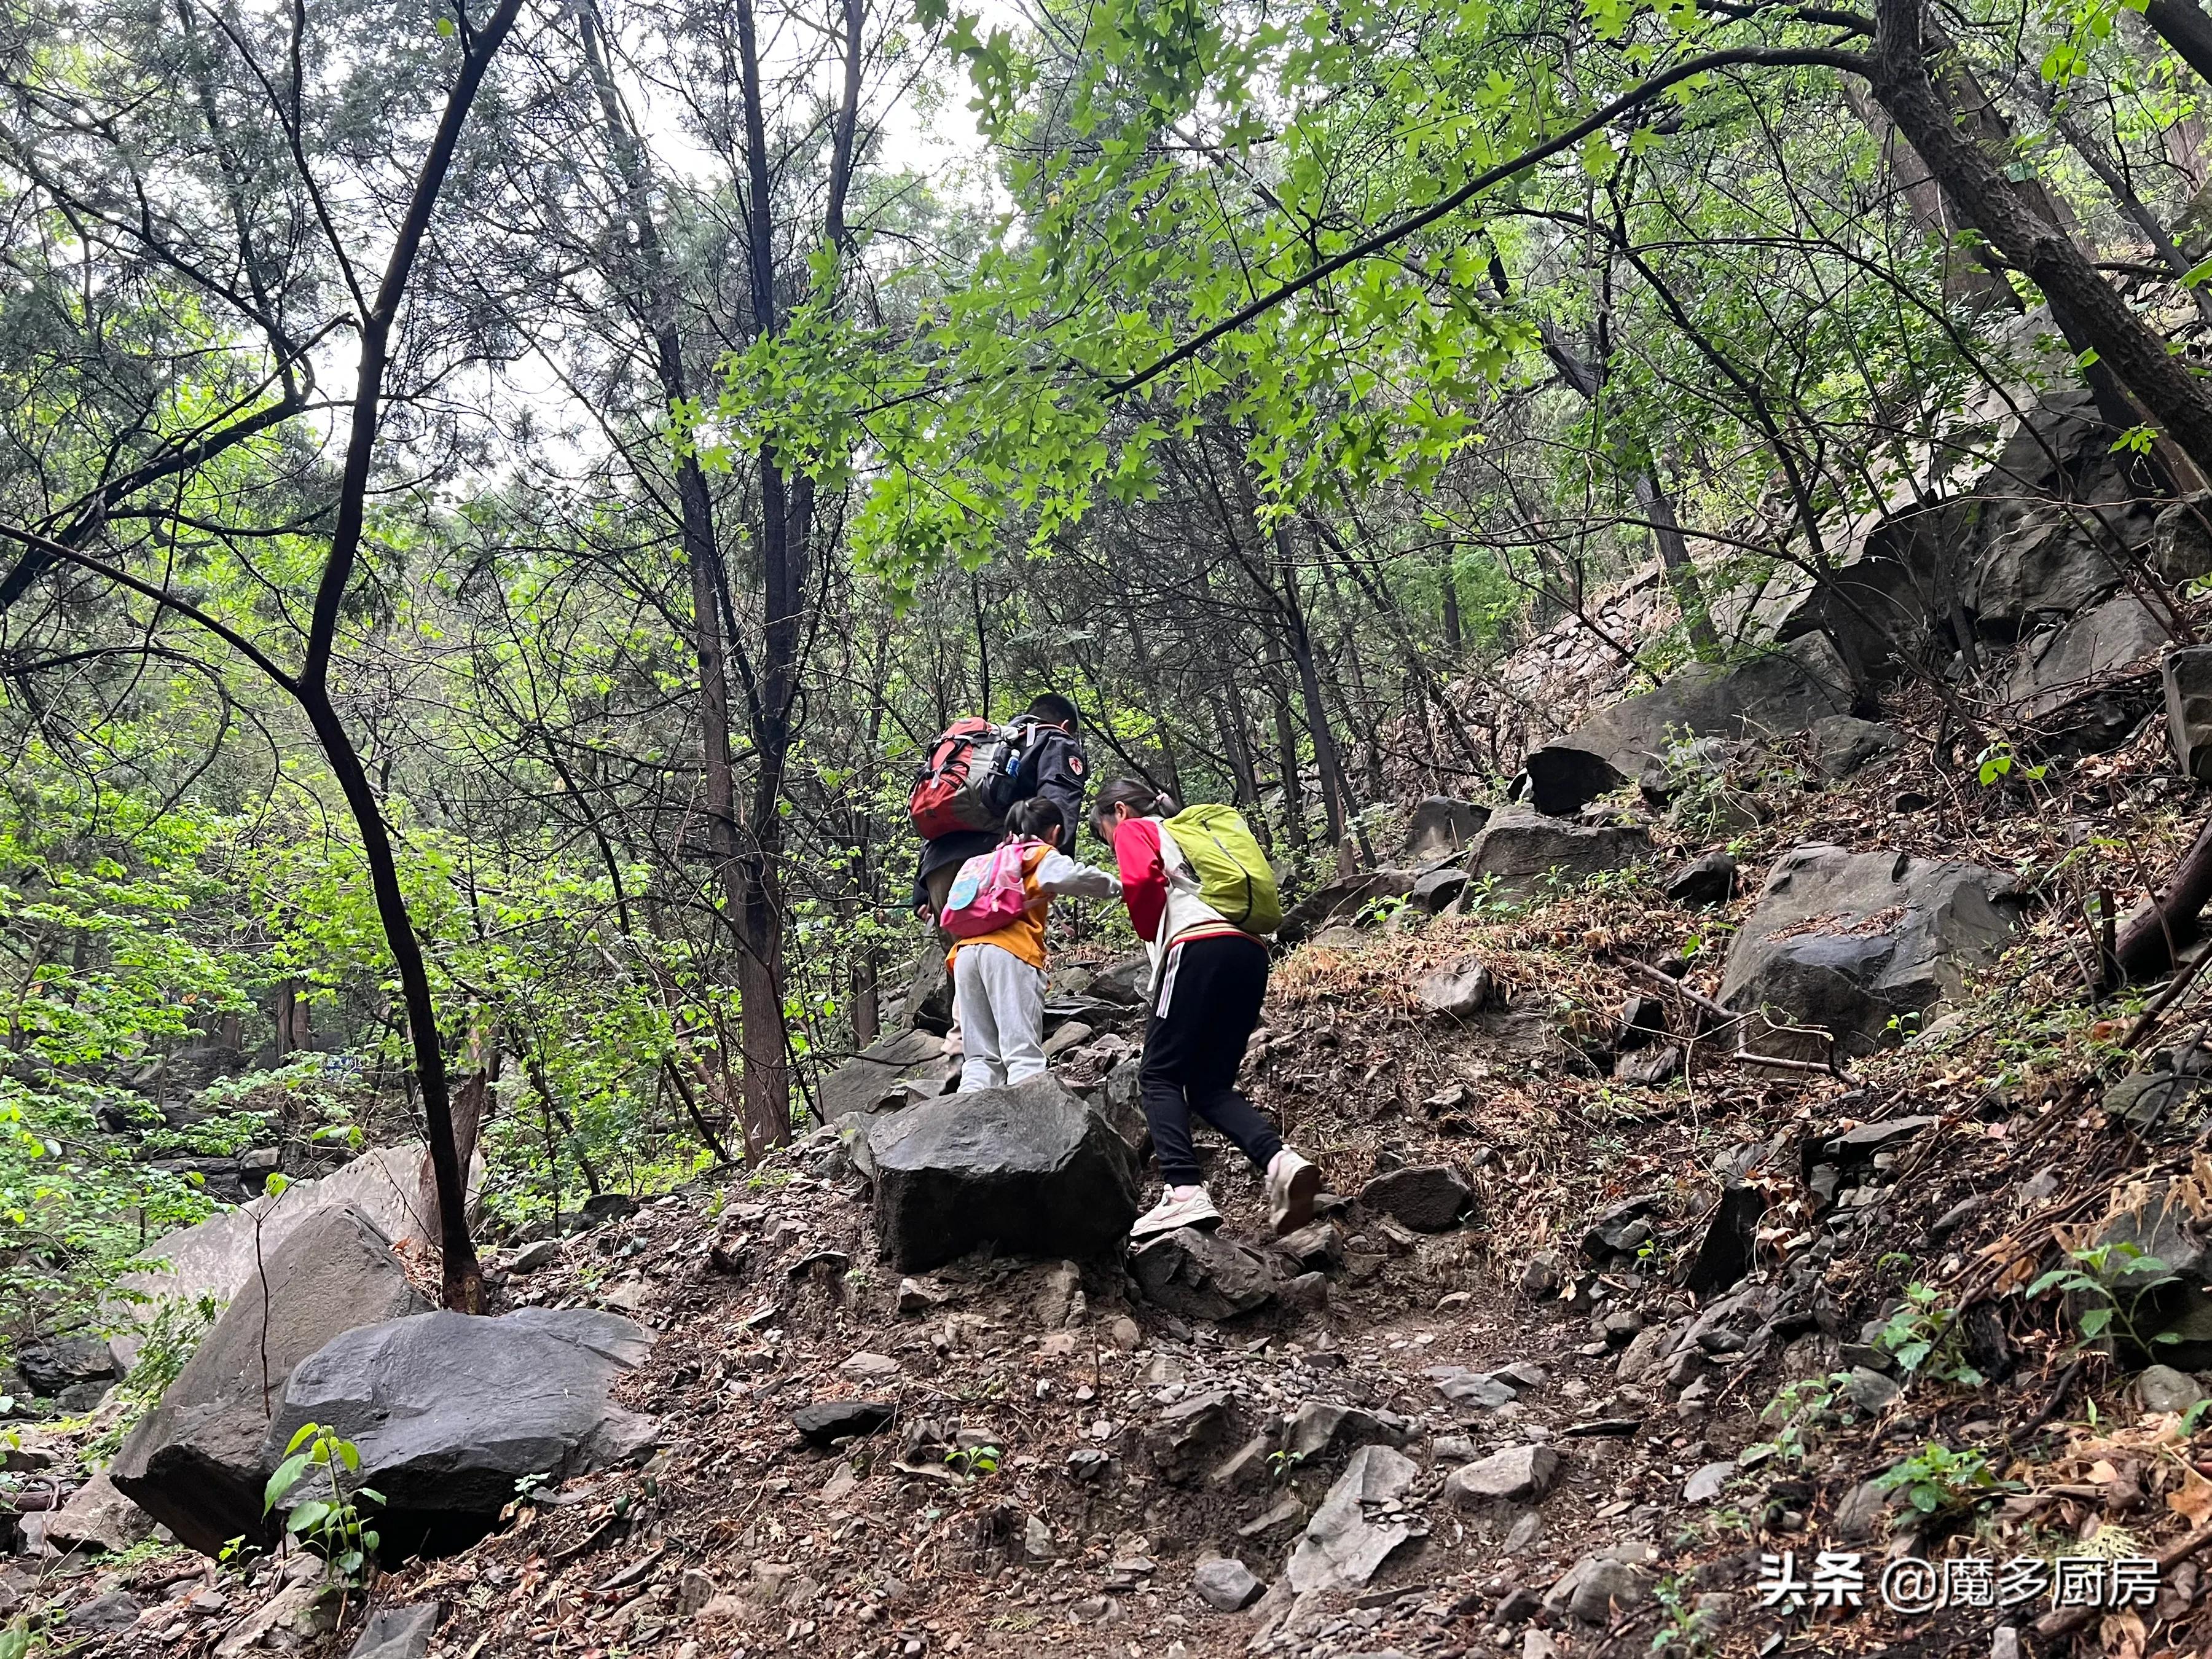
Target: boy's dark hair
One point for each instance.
(1052, 709)
(1032, 818)
(1134, 793)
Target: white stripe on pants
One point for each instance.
(1000, 999)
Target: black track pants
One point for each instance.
(1203, 1015)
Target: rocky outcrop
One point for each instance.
(1029, 1168)
(1563, 779)
(1521, 852)
(893, 1070)
(1440, 826)
(2086, 684)
(221, 1255)
(448, 1410)
(1844, 743)
(1779, 692)
(195, 1463)
(1846, 943)
(1429, 1198)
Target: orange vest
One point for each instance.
(1023, 937)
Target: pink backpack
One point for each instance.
(988, 893)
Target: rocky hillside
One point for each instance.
(1740, 1173)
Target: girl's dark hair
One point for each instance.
(1134, 793)
(1032, 818)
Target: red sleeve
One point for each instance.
(1143, 876)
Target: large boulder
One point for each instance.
(1029, 1168)
(1440, 826)
(449, 1411)
(220, 1255)
(1563, 778)
(195, 1462)
(1775, 694)
(1521, 851)
(928, 1001)
(889, 1072)
(1848, 942)
(2086, 684)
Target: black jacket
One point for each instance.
(1053, 765)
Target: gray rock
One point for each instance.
(2187, 674)
(1440, 826)
(1459, 992)
(1783, 691)
(2072, 684)
(1429, 1198)
(1846, 943)
(1605, 1586)
(449, 1411)
(1860, 1512)
(1317, 1246)
(1542, 1274)
(1029, 1168)
(1191, 1436)
(220, 1256)
(2162, 1389)
(1478, 1389)
(2166, 1105)
(1325, 1428)
(1200, 1275)
(928, 995)
(885, 1072)
(1707, 880)
(1643, 1355)
(1648, 1068)
(827, 1421)
(1526, 854)
(64, 1362)
(1342, 900)
(1727, 1253)
(97, 1516)
(402, 1632)
(1708, 1481)
(2181, 546)
(197, 1461)
(1342, 1547)
(1845, 742)
(1870, 1391)
(1435, 889)
(1563, 780)
(1226, 1585)
(531, 1257)
(1124, 979)
(1518, 1474)
(116, 1610)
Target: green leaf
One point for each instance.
(286, 1477)
(306, 1431)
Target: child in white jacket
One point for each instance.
(997, 978)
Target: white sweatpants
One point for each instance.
(1000, 999)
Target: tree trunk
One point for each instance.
(1653, 502)
(2183, 25)
(1286, 759)
(2083, 302)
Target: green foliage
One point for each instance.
(1941, 1484)
(973, 1461)
(328, 1520)
(1924, 1338)
(168, 1338)
(1801, 1412)
(2110, 1283)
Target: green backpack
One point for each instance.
(1233, 874)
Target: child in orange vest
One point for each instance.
(997, 978)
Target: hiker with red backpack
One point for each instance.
(996, 908)
(975, 772)
(1202, 896)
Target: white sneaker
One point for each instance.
(1179, 1206)
(1293, 1186)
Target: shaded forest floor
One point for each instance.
(740, 1539)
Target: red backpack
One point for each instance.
(966, 780)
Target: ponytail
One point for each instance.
(1140, 797)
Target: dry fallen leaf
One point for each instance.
(2192, 1499)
